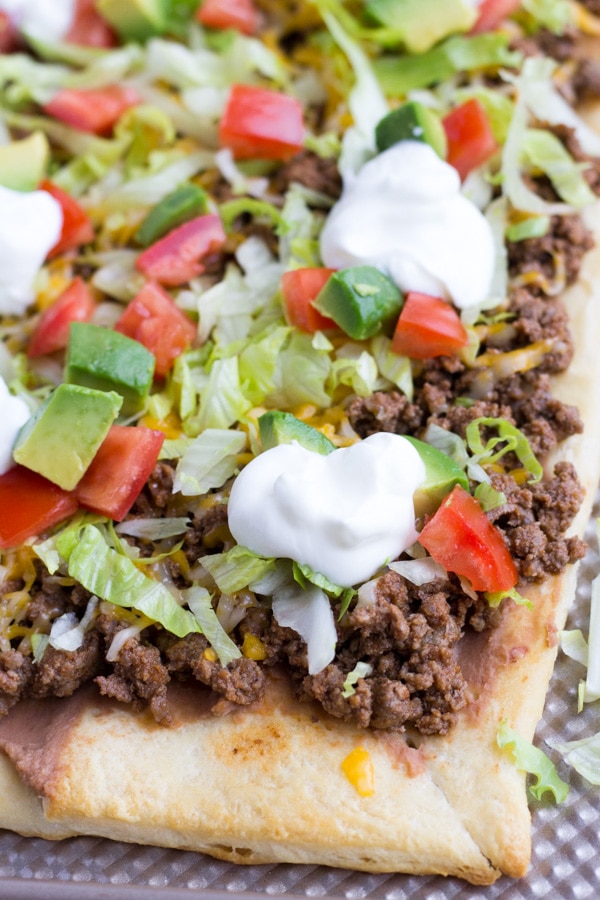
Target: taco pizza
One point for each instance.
(300, 305)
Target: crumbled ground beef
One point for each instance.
(535, 518)
(407, 634)
(314, 172)
(561, 250)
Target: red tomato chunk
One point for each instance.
(77, 228)
(428, 326)
(241, 15)
(490, 13)
(153, 319)
(461, 538)
(119, 470)
(300, 287)
(175, 258)
(471, 141)
(261, 123)
(29, 504)
(96, 110)
(88, 28)
(51, 333)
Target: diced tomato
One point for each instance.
(261, 123)
(9, 36)
(470, 138)
(461, 538)
(119, 470)
(95, 110)
(175, 258)
(77, 228)
(491, 13)
(300, 287)
(88, 28)
(51, 333)
(29, 504)
(428, 326)
(153, 319)
(241, 15)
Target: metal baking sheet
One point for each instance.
(566, 838)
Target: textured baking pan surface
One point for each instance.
(566, 839)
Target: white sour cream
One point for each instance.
(344, 515)
(404, 213)
(30, 225)
(47, 20)
(14, 412)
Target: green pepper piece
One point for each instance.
(361, 300)
(411, 122)
(185, 203)
(276, 427)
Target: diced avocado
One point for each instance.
(411, 122)
(23, 163)
(135, 20)
(277, 427)
(441, 474)
(361, 300)
(107, 360)
(422, 23)
(61, 439)
(185, 203)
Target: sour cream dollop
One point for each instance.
(14, 412)
(344, 514)
(404, 213)
(47, 20)
(30, 225)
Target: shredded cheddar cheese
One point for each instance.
(360, 772)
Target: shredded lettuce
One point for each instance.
(395, 368)
(400, 75)
(366, 101)
(418, 571)
(354, 367)
(222, 400)
(555, 15)
(199, 601)
(309, 613)
(153, 529)
(360, 670)
(538, 94)
(534, 761)
(208, 461)
(488, 497)
(304, 575)
(531, 227)
(510, 439)
(115, 578)
(583, 755)
(237, 568)
(545, 152)
(495, 598)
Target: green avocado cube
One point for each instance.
(411, 122)
(361, 300)
(422, 23)
(276, 427)
(61, 438)
(135, 20)
(442, 473)
(107, 360)
(185, 203)
(23, 163)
